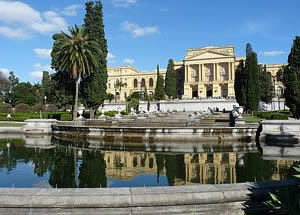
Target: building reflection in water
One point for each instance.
(77, 166)
(203, 168)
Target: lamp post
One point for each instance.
(274, 80)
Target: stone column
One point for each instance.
(217, 72)
(186, 73)
(232, 69)
(199, 73)
(229, 69)
(202, 73)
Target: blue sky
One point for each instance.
(147, 32)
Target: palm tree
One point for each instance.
(119, 85)
(76, 54)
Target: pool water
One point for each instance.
(61, 165)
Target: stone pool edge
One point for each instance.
(182, 199)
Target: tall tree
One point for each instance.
(249, 49)
(240, 84)
(253, 88)
(75, 54)
(94, 87)
(170, 82)
(159, 93)
(266, 85)
(25, 93)
(4, 84)
(9, 91)
(279, 74)
(291, 79)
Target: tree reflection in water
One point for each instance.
(74, 165)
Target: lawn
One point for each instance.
(11, 124)
(252, 119)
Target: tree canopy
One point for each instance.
(266, 85)
(291, 79)
(75, 54)
(253, 86)
(170, 82)
(159, 93)
(94, 87)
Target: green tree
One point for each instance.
(4, 84)
(75, 54)
(94, 87)
(248, 49)
(159, 93)
(279, 74)
(25, 93)
(240, 84)
(253, 88)
(266, 85)
(9, 90)
(170, 82)
(291, 79)
(110, 97)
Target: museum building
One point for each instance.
(206, 72)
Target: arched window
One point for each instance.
(151, 82)
(135, 83)
(143, 82)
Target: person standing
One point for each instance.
(8, 117)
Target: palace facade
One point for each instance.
(203, 73)
(132, 81)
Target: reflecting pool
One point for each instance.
(91, 164)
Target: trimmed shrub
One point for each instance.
(5, 108)
(111, 113)
(279, 116)
(37, 107)
(66, 117)
(22, 108)
(50, 108)
(56, 116)
(19, 116)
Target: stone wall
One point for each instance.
(201, 199)
(180, 105)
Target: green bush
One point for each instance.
(111, 113)
(279, 116)
(287, 112)
(56, 116)
(19, 116)
(66, 117)
(283, 115)
(5, 108)
(37, 107)
(22, 108)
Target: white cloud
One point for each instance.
(23, 18)
(37, 74)
(15, 12)
(14, 33)
(272, 53)
(52, 23)
(123, 3)
(110, 56)
(5, 71)
(128, 61)
(42, 53)
(71, 10)
(137, 31)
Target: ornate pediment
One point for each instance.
(207, 55)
